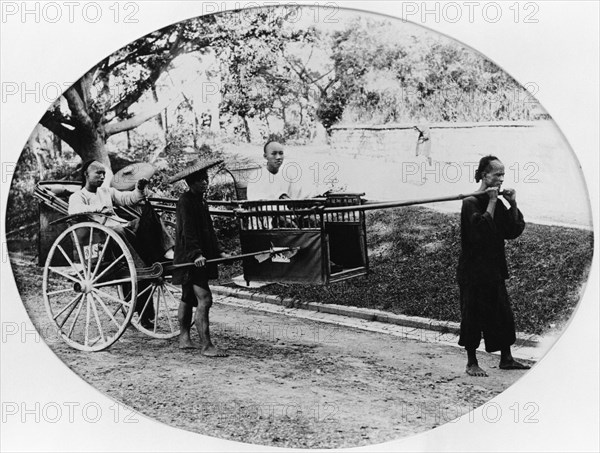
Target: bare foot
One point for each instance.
(513, 365)
(186, 343)
(211, 351)
(474, 370)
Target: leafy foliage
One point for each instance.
(255, 80)
(383, 80)
(269, 68)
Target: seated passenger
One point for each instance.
(94, 198)
(273, 184)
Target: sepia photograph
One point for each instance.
(312, 226)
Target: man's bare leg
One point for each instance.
(472, 365)
(184, 315)
(204, 298)
(507, 362)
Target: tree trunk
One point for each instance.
(94, 148)
(166, 120)
(57, 148)
(246, 128)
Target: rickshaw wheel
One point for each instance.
(160, 305)
(159, 300)
(86, 269)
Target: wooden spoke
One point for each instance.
(95, 310)
(90, 246)
(126, 297)
(69, 261)
(121, 309)
(79, 251)
(100, 258)
(165, 325)
(87, 320)
(60, 291)
(157, 309)
(108, 268)
(113, 298)
(148, 288)
(73, 301)
(67, 276)
(106, 310)
(148, 300)
(75, 320)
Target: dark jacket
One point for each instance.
(194, 236)
(482, 258)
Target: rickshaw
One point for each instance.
(93, 290)
(90, 282)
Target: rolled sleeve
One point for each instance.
(128, 198)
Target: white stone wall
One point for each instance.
(449, 141)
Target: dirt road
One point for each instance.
(288, 381)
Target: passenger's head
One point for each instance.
(490, 171)
(92, 174)
(273, 152)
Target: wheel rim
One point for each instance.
(87, 266)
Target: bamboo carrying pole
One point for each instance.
(157, 269)
(368, 206)
(265, 253)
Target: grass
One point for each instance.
(413, 254)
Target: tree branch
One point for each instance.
(174, 51)
(135, 54)
(54, 123)
(86, 87)
(300, 69)
(77, 107)
(140, 118)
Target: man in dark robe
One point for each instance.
(482, 270)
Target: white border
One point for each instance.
(560, 54)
